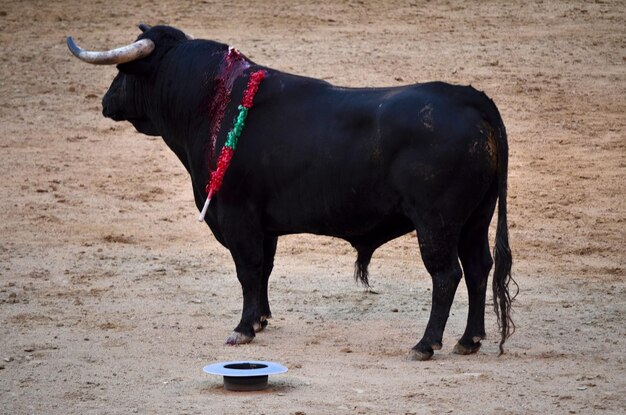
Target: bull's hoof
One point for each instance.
(238, 338)
(419, 356)
(260, 326)
(465, 349)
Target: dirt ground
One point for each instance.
(113, 298)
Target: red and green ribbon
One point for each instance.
(223, 161)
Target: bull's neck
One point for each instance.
(192, 98)
(182, 92)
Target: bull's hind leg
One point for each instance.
(477, 262)
(438, 246)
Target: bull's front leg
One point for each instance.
(249, 265)
(246, 241)
(269, 251)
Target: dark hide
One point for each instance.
(363, 164)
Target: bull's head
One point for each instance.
(130, 94)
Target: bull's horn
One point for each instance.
(128, 53)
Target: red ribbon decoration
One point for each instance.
(223, 162)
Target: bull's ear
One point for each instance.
(143, 27)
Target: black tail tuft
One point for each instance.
(361, 274)
(502, 279)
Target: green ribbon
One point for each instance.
(235, 132)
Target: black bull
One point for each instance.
(363, 164)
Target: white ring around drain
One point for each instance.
(271, 368)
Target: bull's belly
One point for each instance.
(383, 229)
(345, 216)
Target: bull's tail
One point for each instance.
(502, 278)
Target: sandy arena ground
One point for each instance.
(113, 298)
